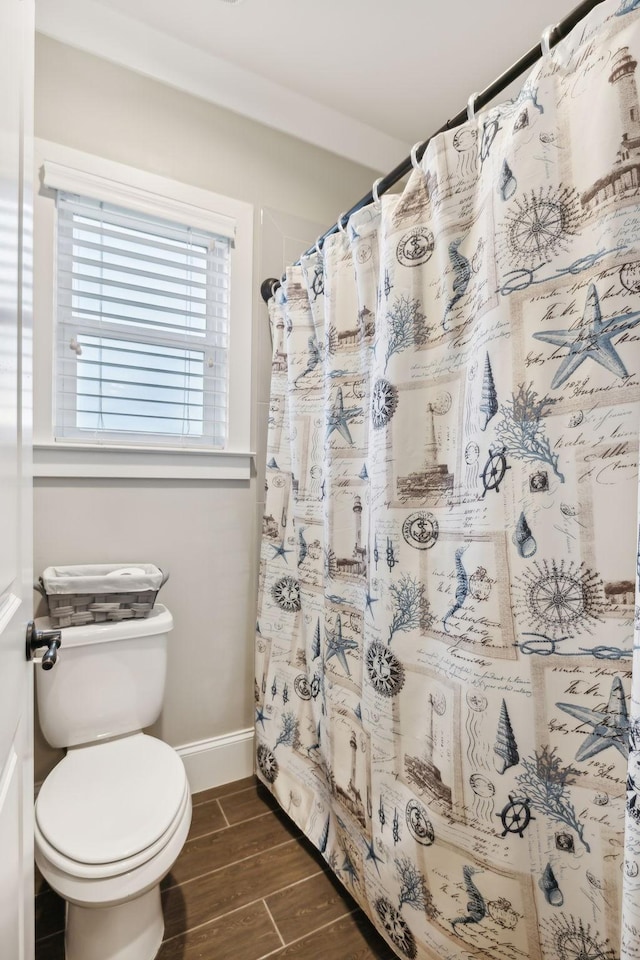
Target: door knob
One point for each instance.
(51, 639)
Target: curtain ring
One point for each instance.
(414, 154)
(471, 106)
(318, 248)
(342, 227)
(545, 41)
(276, 284)
(374, 189)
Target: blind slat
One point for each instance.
(107, 251)
(66, 269)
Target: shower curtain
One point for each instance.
(446, 697)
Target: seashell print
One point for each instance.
(508, 183)
(505, 747)
(523, 538)
(549, 886)
(522, 121)
(489, 397)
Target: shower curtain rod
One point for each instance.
(480, 100)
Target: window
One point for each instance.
(142, 327)
(143, 294)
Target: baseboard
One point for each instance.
(219, 760)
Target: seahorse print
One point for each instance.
(462, 588)
(462, 275)
(302, 546)
(476, 907)
(313, 359)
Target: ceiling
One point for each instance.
(365, 78)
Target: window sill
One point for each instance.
(121, 462)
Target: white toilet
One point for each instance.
(113, 815)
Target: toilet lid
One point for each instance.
(109, 801)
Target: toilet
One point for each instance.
(113, 815)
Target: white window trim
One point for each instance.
(61, 167)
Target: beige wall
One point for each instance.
(204, 533)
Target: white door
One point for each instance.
(16, 738)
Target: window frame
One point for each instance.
(62, 168)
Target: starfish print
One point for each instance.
(260, 717)
(338, 418)
(610, 726)
(369, 601)
(280, 551)
(337, 645)
(349, 868)
(372, 855)
(590, 340)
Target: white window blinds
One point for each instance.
(142, 328)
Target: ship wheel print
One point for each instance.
(317, 284)
(516, 816)
(395, 927)
(494, 470)
(384, 669)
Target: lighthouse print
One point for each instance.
(624, 177)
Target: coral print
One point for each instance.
(446, 680)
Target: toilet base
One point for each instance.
(132, 930)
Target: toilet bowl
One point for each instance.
(113, 815)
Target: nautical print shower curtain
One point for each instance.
(447, 700)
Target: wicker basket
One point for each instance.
(95, 593)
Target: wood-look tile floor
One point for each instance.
(246, 886)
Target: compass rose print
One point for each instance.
(384, 669)
(396, 928)
(559, 599)
(384, 402)
(574, 940)
(539, 225)
(286, 593)
(267, 763)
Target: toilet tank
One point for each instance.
(109, 679)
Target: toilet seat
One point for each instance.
(108, 808)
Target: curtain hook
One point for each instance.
(374, 189)
(414, 154)
(545, 41)
(341, 226)
(471, 106)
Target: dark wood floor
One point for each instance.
(246, 886)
